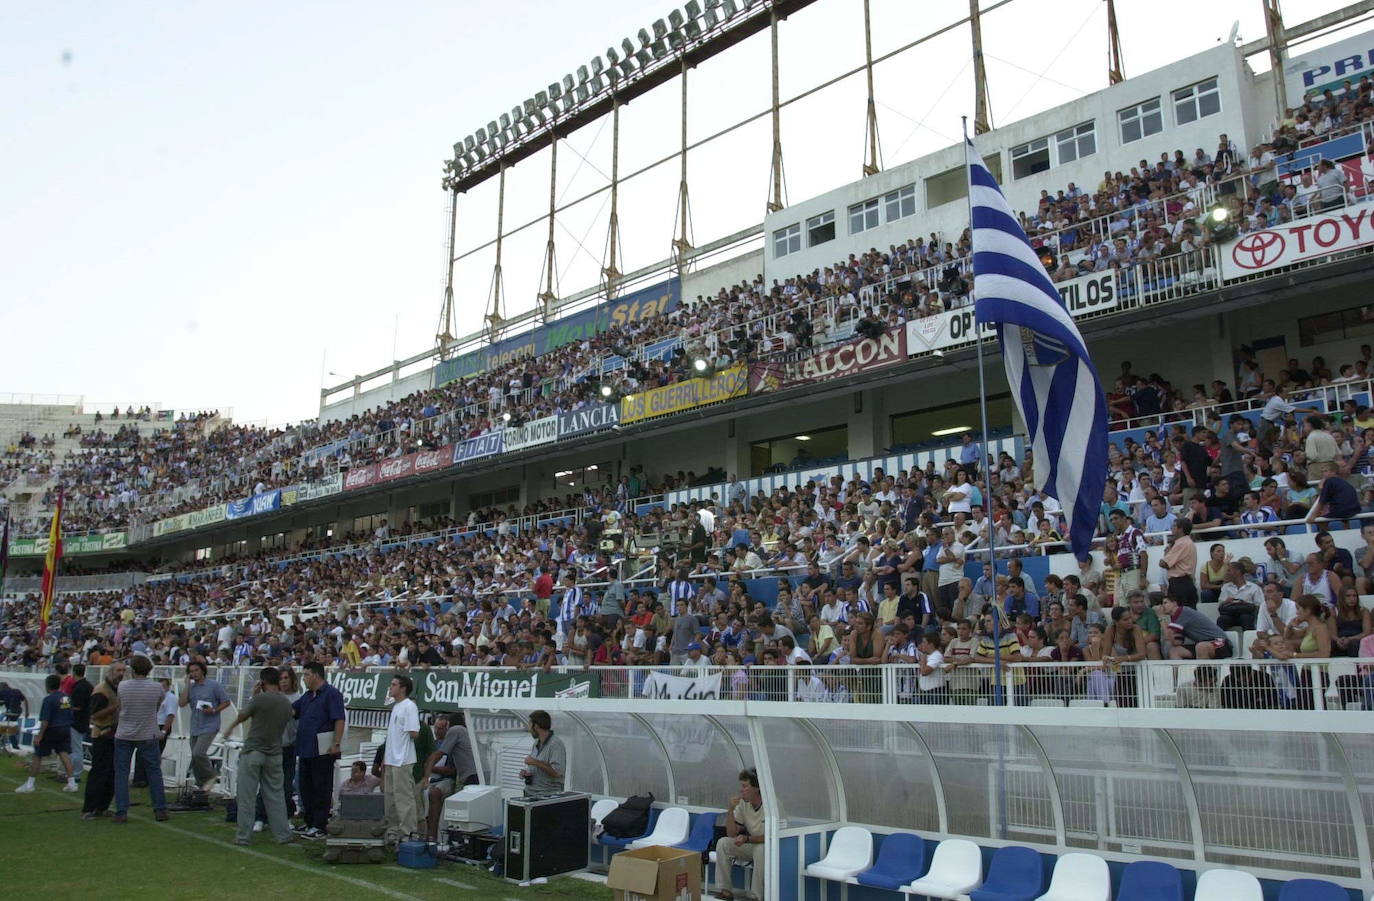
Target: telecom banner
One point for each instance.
(724, 385)
(476, 448)
(588, 419)
(808, 365)
(1299, 240)
(266, 502)
(532, 434)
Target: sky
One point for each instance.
(213, 205)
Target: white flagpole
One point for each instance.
(987, 460)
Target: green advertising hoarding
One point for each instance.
(71, 545)
(437, 689)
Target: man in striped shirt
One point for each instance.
(1130, 553)
(1253, 514)
(680, 593)
(569, 606)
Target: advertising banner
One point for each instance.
(322, 488)
(360, 477)
(476, 448)
(266, 502)
(588, 419)
(681, 688)
(325, 450)
(208, 516)
(169, 525)
(728, 383)
(624, 310)
(1301, 239)
(1328, 67)
(452, 689)
(807, 365)
(532, 434)
(430, 460)
(71, 544)
(396, 468)
(1085, 294)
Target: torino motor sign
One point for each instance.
(1302, 239)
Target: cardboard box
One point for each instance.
(656, 873)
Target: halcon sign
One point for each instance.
(804, 367)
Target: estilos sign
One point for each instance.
(1302, 239)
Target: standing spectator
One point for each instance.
(80, 694)
(166, 719)
(1180, 564)
(260, 758)
(139, 700)
(319, 739)
(206, 698)
(742, 844)
(951, 563)
(547, 761)
(1271, 417)
(398, 780)
(14, 704)
(1131, 556)
(104, 714)
(54, 735)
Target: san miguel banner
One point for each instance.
(532, 434)
(266, 502)
(476, 448)
(396, 468)
(681, 688)
(1091, 293)
(588, 419)
(728, 383)
(360, 477)
(1302, 239)
(442, 689)
(808, 365)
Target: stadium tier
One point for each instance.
(756, 546)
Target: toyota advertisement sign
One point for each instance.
(1299, 240)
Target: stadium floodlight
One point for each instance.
(692, 8)
(748, 4)
(660, 29)
(506, 416)
(583, 76)
(660, 49)
(675, 39)
(644, 39)
(568, 83)
(675, 20)
(728, 8)
(469, 142)
(555, 91)
(627, 48)
(597, 85)
(597, 66)
(541, 99)
(693, 30)
(481, 136)
(701, 365)
(644, 58)
(457, 150)
(1220, 224)
(505, 121)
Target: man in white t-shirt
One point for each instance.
(398, 762)
(951, 560)
(931, 684)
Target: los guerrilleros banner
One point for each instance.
(451, 689)
(724, 385)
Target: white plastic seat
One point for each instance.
(1079, 877)
(671, 829)
(1227, 885)
(1047, 702)
(603, 807)
(1087, 702)
(955, 870)
(850, 853)
(1247, 639)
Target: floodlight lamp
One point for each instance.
(469, 142)
(505, 121)
(675, 39)
(569, 101)
(643, 59)
(709, 20)
(582, 76)
(582, 93)
(492, 129)
(541, 99)
(748, 4)
(605, 390)
(481, 136)
(660, 29)
(517, 112)
(567, 84)
(627, 47)
(660, 49)
(506, 416)
(555, 91)
(693, 30)
(693, 9)
(1220, 214)
(597, 66)
(612, 58)
(728, 7)
(700, 364)
(458, 150)
(644, 39)
(675, 19)
(597, 85)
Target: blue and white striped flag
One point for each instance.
(1053, 381)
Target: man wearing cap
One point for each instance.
(696, 663)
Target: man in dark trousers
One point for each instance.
(104, 717)
(319, 738)
(81, 717)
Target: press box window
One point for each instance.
(820, 229)
(1075, 143)
(863, 216)
(1196, 101)
(786, 240)
(1030, 158)
(1140, 121)
(900, 203)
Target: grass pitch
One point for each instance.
(47, 848)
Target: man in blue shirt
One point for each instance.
(319, 712)
(969, 455)
(54, 735)
(206, 698)
(1160, 518)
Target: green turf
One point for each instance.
(48, 849)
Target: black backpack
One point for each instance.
(630, 819)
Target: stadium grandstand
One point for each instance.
(742, 537)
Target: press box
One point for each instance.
(656, 873)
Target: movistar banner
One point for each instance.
(452, 689)
(636, 307)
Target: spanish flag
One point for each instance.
(50, 567)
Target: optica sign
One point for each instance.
(1303, 239)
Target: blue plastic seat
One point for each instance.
(620, 844)
(702, 831)
(901, 859)
(1015, 874)
(1312, 890)
(1150, 880)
